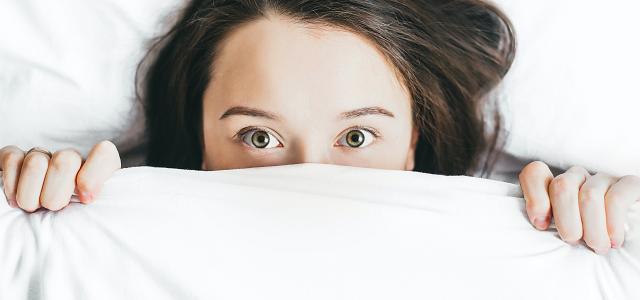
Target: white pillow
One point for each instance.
(67, 70)
(305, 231)
(572, 96)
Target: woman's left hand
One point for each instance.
(593, 208)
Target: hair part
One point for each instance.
(449, 54)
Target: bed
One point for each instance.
(312, 231)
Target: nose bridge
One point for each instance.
(309, 152)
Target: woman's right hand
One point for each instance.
(33, 180)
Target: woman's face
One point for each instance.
(286, 93)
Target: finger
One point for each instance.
(592, 212)
(11, 158)
(618, 200)
(60, 180)
(103, 160)
(534, 180)
(34, 169)
(563, 192)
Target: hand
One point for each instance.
(593, 208)
(36, 180)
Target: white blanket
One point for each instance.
(303, 232)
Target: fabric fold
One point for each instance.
(306, 231)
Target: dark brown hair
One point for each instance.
(449, 53)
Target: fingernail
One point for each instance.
(540, 223)
(86, 197)
(616, 245)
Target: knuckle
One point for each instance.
(560, 186)
(65, 159)
(601, 175)
(579, 170)
(612, 197)
(105, 147)
(107, 150)
(10, 149)
(589, 194)
(635, 180)
(560, 183)
(11, 158)
(536, 168)
(35, 162)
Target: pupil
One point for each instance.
(260, 139)
(355, 138)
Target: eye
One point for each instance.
(259, 138)
(358, 138)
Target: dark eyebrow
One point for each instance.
(248, 111)
(374, 110)
(254, 112)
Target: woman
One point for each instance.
(381, 84)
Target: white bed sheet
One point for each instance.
(306, 231)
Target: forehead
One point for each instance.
(282, 65)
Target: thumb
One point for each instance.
(102, 162)
(534, 181)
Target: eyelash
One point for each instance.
(242, 132)
(373, 132)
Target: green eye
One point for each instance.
(260, 139)
(357, 138)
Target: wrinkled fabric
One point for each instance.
(306, 231)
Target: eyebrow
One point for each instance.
(248, 111)
(374, 110)
(254, 112)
